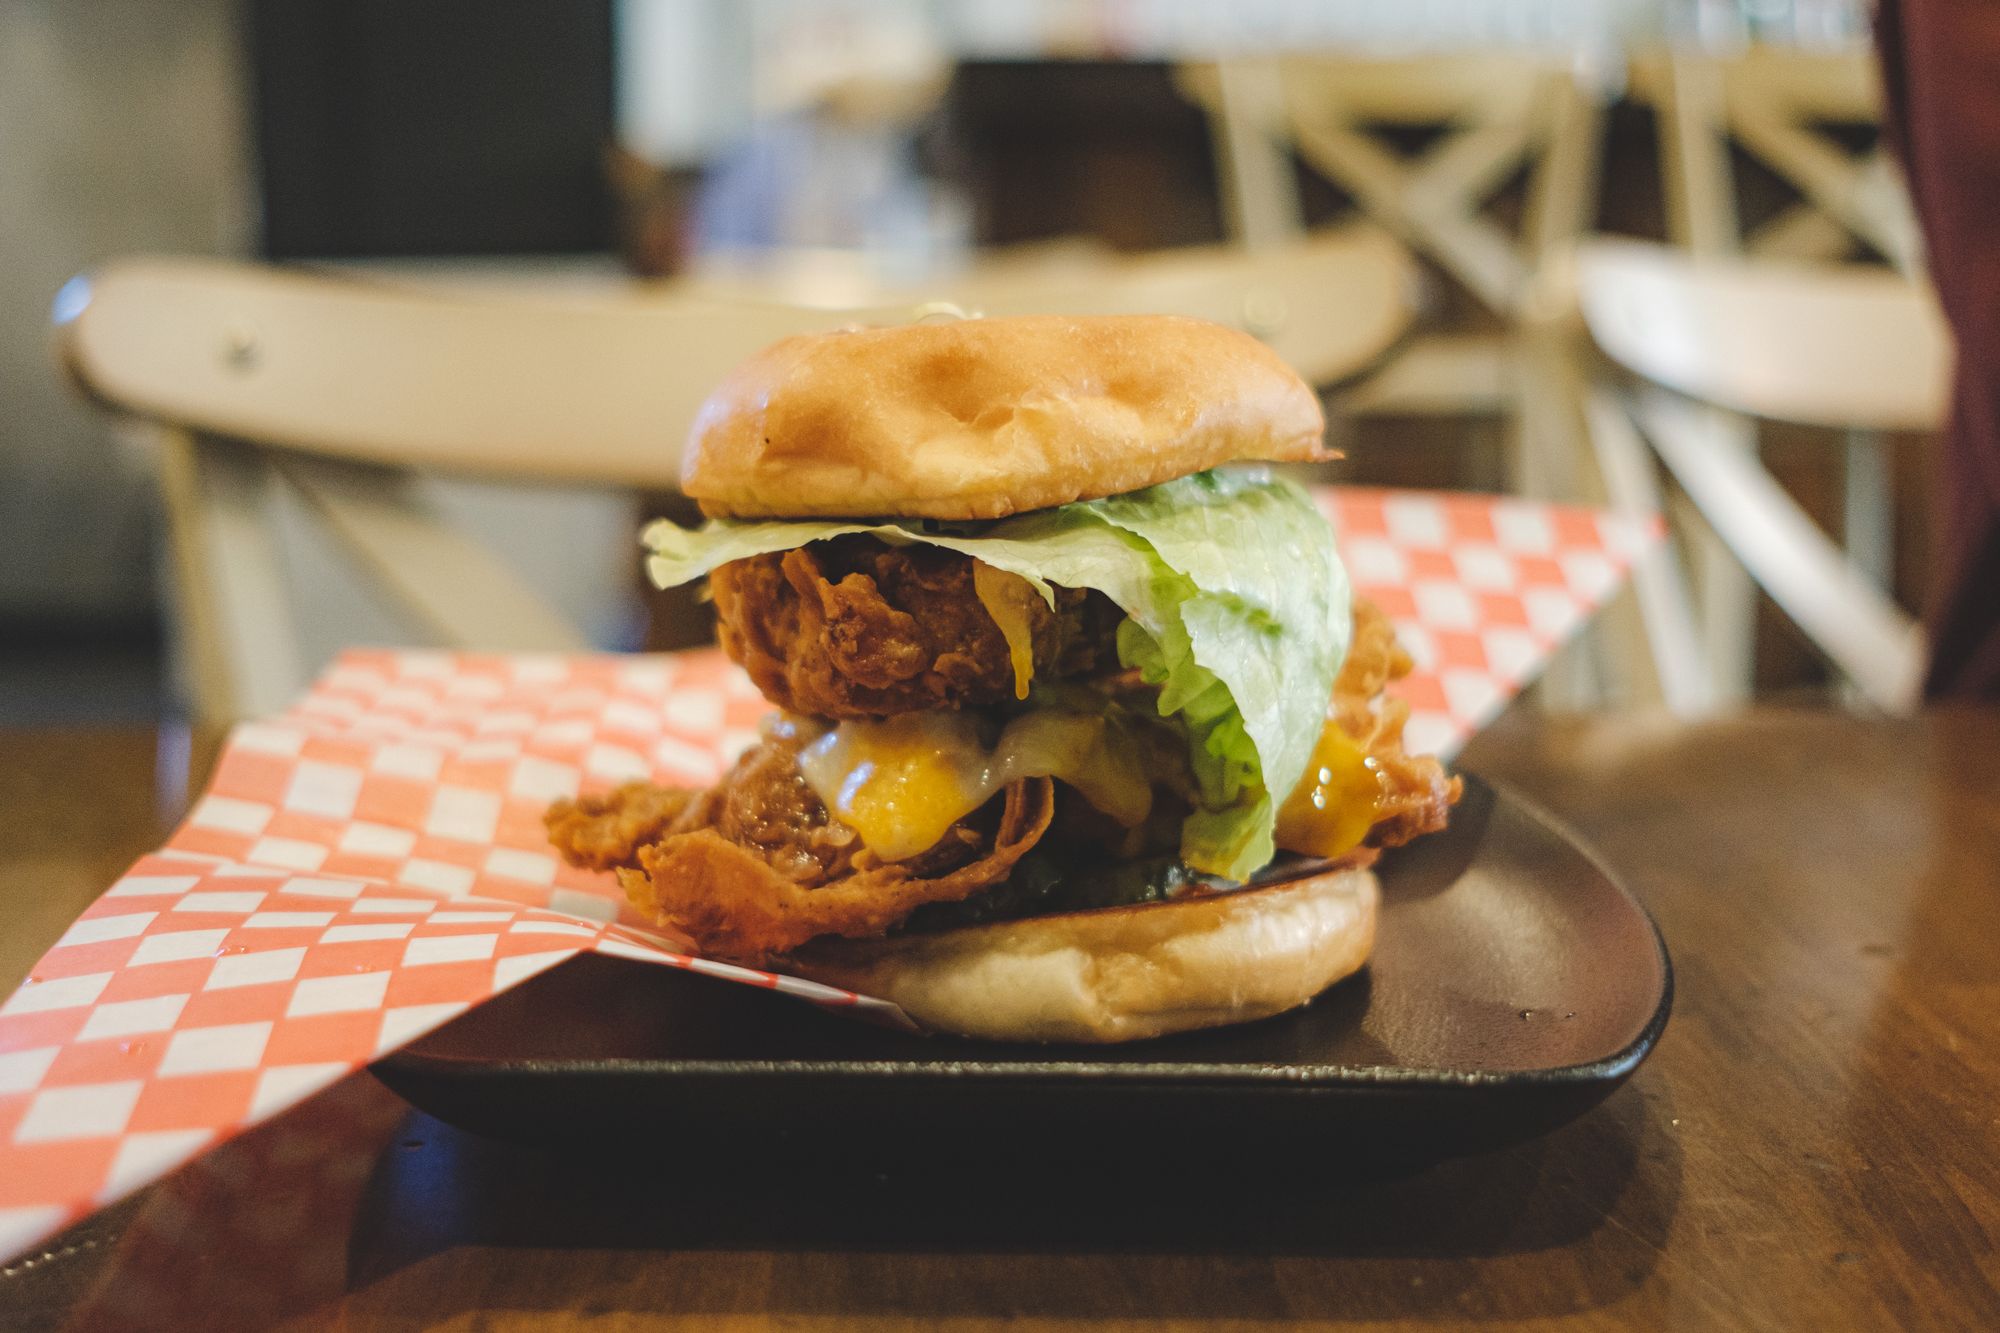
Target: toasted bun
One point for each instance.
(981, 418)
(1119, 973)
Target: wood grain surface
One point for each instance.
(1815, 1144)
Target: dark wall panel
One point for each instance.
(429, 127)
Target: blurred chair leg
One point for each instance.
(1866, 635)
(1664, 656)
(1701, 215)
(1867, 519)
(1550, 456)
(1726, 595)
(229, 581)
(1867, 514)
(1546, 461)
(453, 584)
(1530, 468)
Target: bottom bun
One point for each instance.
(1119, 973)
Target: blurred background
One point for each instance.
(830, 155)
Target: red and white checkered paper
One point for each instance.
(372, 863)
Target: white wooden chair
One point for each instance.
(1777, 106)
(1712, 342)
(1497, 114)
(342, 392)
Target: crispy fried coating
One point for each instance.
(607, 831)
(763, 803)
(1416, 794)
(754, 866)
(735, 904)
(854, 628)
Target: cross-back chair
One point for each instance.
(1785, 109)
(1707, 344)
(1494, 116)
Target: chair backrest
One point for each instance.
(1781, 107)
(1496, 112)
(537, 387)
(1714, 340)
(545, 386)
(1841, 346)
(343, 390)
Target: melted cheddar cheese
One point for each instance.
(902, 782)
(1333, 807)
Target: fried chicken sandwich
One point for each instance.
(1079, 734)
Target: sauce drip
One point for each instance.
(1007, 598)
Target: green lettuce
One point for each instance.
(1237, 604)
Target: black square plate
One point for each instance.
(1514, 985)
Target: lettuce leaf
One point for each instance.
(1238, 606)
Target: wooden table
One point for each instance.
(1815, 1144)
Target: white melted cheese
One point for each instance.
(901, 783)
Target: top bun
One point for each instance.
(981, 418)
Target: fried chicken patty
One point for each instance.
(755, 866)
(854, 628)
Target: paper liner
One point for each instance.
(372, 862)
